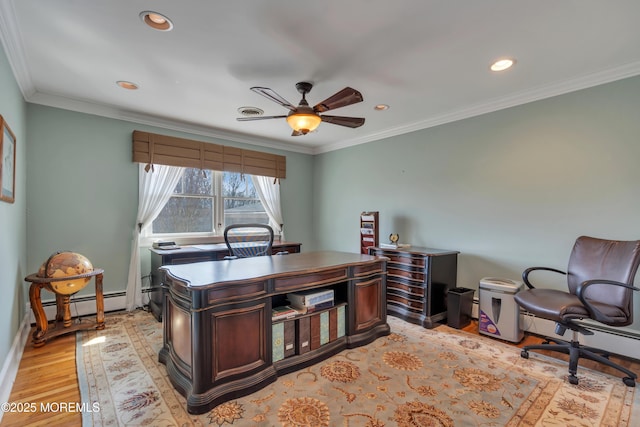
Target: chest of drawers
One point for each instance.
(417, 282)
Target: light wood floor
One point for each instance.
(48, 375)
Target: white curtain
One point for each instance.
(269, 194)
(155, 189)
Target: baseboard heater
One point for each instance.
(621, 341)
(84, 305)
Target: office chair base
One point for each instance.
(575, 352)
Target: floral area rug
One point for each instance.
(413, 377)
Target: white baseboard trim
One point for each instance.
(12, 362)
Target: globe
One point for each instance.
(65, 267)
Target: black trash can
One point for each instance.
(459, 306)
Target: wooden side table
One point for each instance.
(63, 323)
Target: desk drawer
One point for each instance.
(233, 291)
(367, 269)
(303, 281)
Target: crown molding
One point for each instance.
(520, 98)
(12, 44)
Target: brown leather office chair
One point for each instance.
(248, 240)
(600, 278)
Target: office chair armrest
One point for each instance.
(594, 313)
(525, 274)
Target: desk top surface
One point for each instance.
(242, 269)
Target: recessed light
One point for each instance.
(156, 20)
(381, 107)
(503, 64)
(127, 85)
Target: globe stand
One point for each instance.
(63, 323)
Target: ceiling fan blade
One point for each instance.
(296, 133)
(346, 96)
(272, 95)
(248, 119)
(351, 122)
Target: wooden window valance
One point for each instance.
(151, 148)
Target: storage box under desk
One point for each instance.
(308, 332)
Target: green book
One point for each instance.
(341, 320)
(277, 346)
(324, 327)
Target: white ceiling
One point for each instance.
(427, 59)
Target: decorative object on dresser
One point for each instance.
(208, 305)
(63, 273)
(369, 233)
(189, 254)
(394, 239)
(418, 280)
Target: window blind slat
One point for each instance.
(153, 148)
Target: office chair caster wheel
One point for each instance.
(629, 382)
(524, 354)
(573, 380)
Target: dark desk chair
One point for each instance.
(600, 287)
(248, 240)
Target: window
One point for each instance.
(240, 200)
(203, 199)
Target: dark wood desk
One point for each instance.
(217, 318)
(189, 254)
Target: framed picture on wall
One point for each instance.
(8, 165)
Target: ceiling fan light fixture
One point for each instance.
(156, 20)
(303, 122)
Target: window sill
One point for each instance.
(147, 242)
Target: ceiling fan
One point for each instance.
(304, 119)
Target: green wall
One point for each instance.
(13, 223)
(509, 190)
(83, 190)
